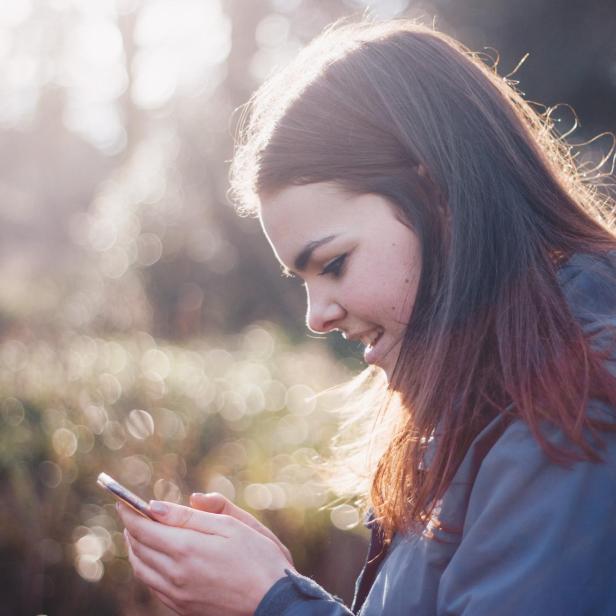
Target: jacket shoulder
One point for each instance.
(588, 282)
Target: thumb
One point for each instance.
(212, 502)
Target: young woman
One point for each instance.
(434, 216)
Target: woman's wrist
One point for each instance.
(266, 584)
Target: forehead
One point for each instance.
(297, 215)
(296, 208)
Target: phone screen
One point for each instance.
(124, 495)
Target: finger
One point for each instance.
(159, 564)
(148, 576)
(157, 536)
(180, 516)
(159, 561)
(214, 503)
(217, 503)
(166, 600)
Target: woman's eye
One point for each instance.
(334, 267)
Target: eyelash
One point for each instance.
(334, 267)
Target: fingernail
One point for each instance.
(159, 508)
(200, 494)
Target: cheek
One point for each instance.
(385, 303)
(406, 280)
(385, 287)
(398, 299)
(402, 300)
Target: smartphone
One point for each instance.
(124, 495)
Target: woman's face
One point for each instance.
(360, 264)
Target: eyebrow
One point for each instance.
(302, 259)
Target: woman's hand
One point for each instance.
(217, 503)
(203, 563)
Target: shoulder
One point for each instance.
(518, 449)
(588, 282)
(518, 473)
(530, 523)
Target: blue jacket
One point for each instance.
(537, 538)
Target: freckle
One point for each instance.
(393, 307)
(406, 280)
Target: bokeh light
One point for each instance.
(345, 517)
(140, 424)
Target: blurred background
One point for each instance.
(145, 329)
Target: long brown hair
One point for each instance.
(494, 196)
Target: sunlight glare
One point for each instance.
(381, 9)
(92, 69)
(177, 49)
(14, 12)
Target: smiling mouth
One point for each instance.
(371, 340)
(373, 352)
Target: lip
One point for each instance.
(357, 337)
(373, 354)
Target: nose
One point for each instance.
(323, 314)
